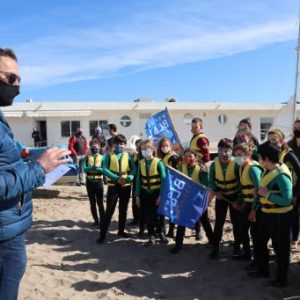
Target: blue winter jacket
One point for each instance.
(17, 180)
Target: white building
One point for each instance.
(58, 120)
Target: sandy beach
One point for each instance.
(64, 262)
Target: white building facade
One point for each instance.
(57, 121)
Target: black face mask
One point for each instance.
(297, 133)
(95, 150)
(8, 93)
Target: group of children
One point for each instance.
(261, 195)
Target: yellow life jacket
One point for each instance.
(288, 164)
(267, 205)
(94, 160)
(121, 168)
(166, 158)
(229, 183)
(247, 187)
(195, 174)
(150, 178)
(194, 146)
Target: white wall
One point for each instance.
(22, 127)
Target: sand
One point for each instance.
(64, 262)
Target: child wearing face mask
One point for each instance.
(165, 153)
(92, 166)
(250, 174)
(119, 168)
(288, 157)
(150, 176)
(168, 157)
(193, 170)
(224, 181)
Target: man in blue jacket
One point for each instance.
(17, 180)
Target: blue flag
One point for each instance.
(160, 125)
(183, 201)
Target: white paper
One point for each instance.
(55, 174)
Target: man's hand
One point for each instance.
(53, 157)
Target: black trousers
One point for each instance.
(295, 224)
(149, 212)
(221, 208)
(95, 194)
(245, 225)
(276, 227)
(134, 207)
(206, 226)
(115, 193)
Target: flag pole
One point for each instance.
(174, 130)
(297, 72)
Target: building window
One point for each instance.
(69, 128)
(125, 121)
(222, 119)
(187, 119)
(265, 124)
(95, 123)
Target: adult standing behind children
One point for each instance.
(17, 180)
(120, 170)
(199, 141)
(112, 129)
(245, 125)
(99, 135)
(79, 149)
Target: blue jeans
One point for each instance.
(12, 266)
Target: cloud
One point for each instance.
(147, 41)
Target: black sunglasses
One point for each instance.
(11, 77)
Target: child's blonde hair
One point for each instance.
(148, 143)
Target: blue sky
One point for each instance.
(116, 50)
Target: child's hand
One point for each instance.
(252, 216)
(122, 181)
(138, 202)
(157, 201)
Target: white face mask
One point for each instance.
(146, 153)
(240, 160)
(165, 149)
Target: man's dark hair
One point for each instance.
(7, 52)
(112, 127)
(120, 138)
(267, 150)
(246, 121)
(225, 143)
